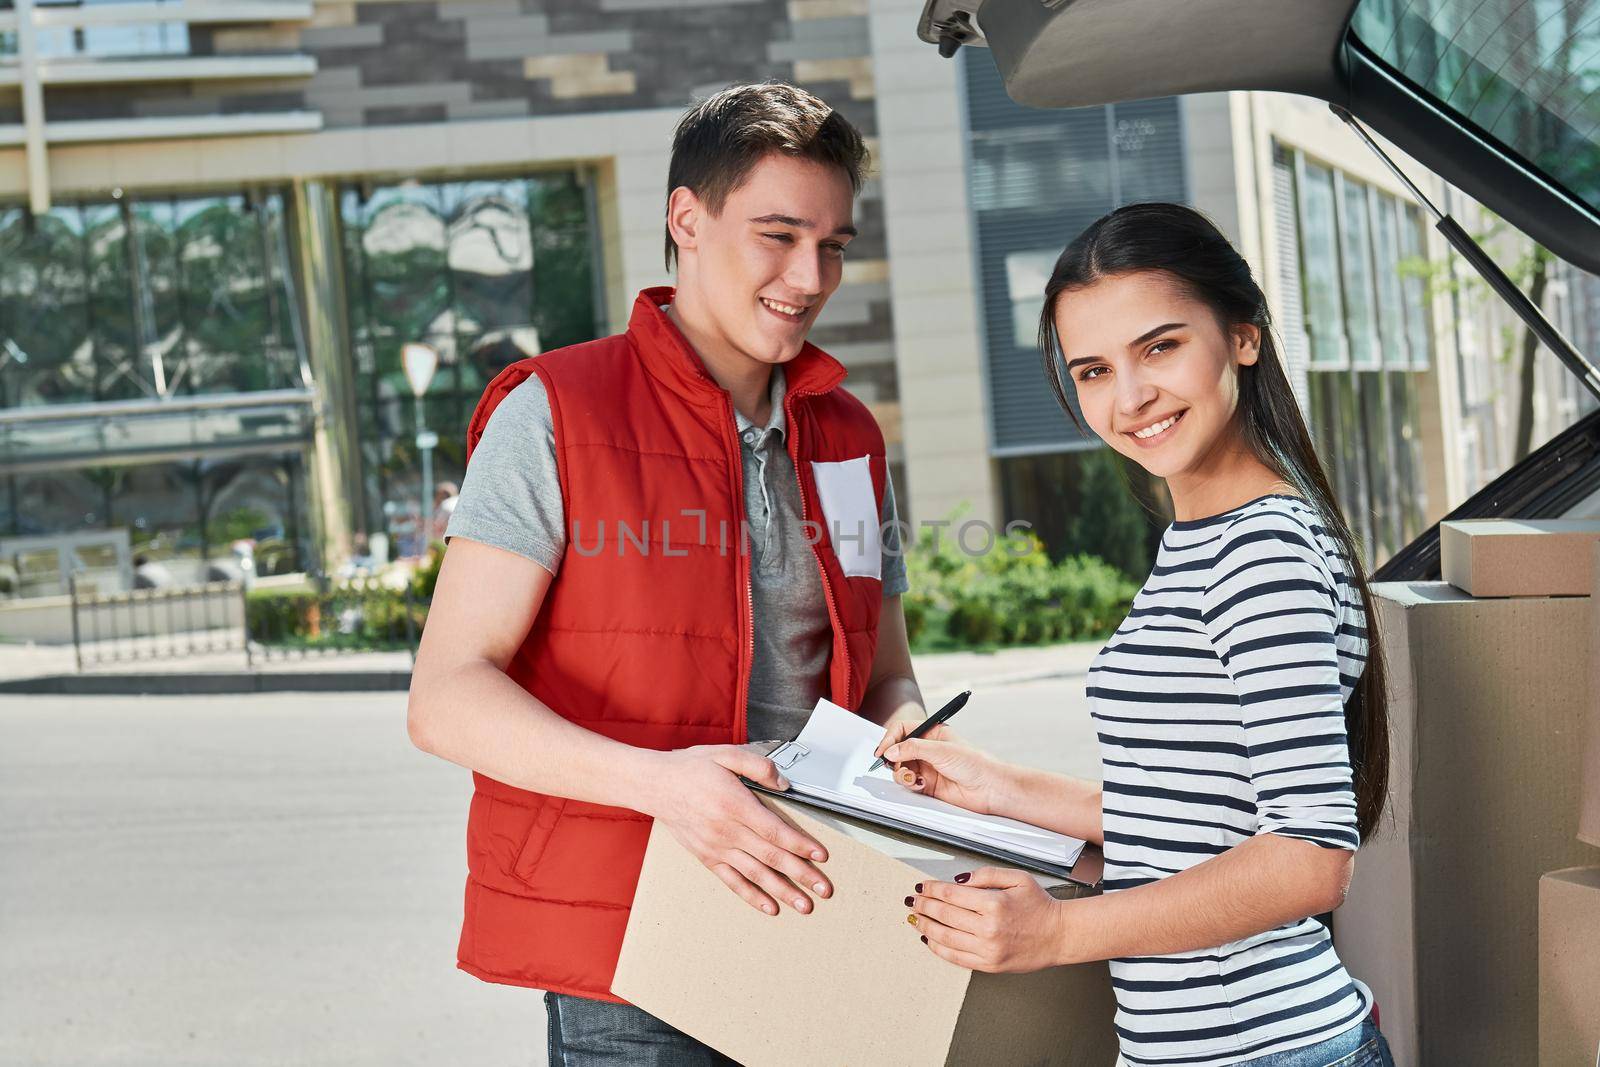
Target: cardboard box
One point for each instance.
(1569, 968)
(1519, 557)
(850, 982)
(1441, 921)
(1589, 799)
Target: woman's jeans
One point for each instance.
(1360, 1046)
(592, 1033)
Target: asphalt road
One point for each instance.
(277, 879)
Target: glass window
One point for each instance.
(1414, 271)
(486, 270)
(1527, 72)
(140, 297)
(1038, 176)
(1319, 265)
(131, 39)
(1027, 273)
(1355, 260)
(182, 514)
(1393, 340)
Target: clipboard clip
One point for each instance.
(788, 754)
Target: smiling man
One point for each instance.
(668, 542)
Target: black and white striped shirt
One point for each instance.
(1220, 707)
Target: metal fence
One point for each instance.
(263, 625)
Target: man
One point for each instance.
(605, 634)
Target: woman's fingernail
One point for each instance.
(909, 901)
(912, 919)
(783, 783)
(963, 876)
(768, 908)
(820, 887)
(919, 779)
(923, 938)
(819, 855)
(919, 887)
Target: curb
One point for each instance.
(219, 682)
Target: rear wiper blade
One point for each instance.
(1526, 310)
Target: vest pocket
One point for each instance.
(545, 817)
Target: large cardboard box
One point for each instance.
(1589, 800)
(1519, 557)
(1569, 968)
(1488, 698)
(849, 983)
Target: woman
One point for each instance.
(1231, 703)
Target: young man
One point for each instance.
(666, 545)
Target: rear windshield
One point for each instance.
(1526, 72)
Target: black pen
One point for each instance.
(944, 714)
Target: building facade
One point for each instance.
(221, 221)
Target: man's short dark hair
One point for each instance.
(722, 138)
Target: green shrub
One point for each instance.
(1011, 595)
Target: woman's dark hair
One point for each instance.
(719, 141)
(1183, 244)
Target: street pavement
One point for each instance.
(277, 878)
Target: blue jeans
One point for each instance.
(1360, 1046)
(592, 1033)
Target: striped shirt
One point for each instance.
(1219, 703)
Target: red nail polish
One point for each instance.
(924, 939)
(919, 887)
(963, 876)
(909, 902)
(919, 779)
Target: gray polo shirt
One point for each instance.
(511, 499)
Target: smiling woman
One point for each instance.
(1240, 706)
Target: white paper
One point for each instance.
(830, 762)
(850, 511)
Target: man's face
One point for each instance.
(762, 268)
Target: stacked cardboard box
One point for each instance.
(1488, 699)
(850, 982)
(1569, 914)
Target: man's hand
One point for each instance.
(697, 796)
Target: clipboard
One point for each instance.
(1086, 872)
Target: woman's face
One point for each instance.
(1157, 376)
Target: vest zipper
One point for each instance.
(741, 721)
(822, 569)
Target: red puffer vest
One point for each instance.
(645, 635)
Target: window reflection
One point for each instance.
(185, 514)
(143, 297)
(486, 271)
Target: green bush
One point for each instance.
(352, 616)
(1011, 595)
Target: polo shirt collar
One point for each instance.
(777, 422)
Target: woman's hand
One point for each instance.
(993, 919)
(940, 766)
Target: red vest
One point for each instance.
(645, 634)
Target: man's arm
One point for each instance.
(892, 687)
(465, 709)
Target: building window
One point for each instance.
(1038, 177)
(146, 297)
(1360, 282)
(1319, 258)
(486, 271)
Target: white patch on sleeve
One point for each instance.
(850, 510)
